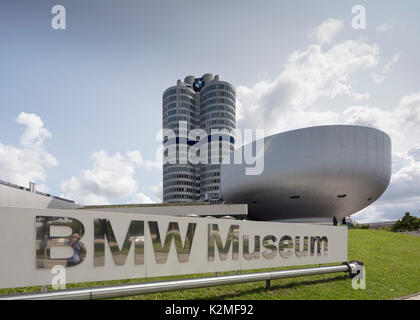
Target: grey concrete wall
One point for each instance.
(200, 210)
(14, 197)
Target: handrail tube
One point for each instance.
(104, 292)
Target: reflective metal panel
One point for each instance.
(266, 244)
(317, 242)
(286, 246)
(298, 250)
(44, 241)
(162, 252)
(256, 253)
(135, 234)
(214, 238)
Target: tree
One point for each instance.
(407, 223)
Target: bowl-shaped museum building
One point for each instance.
(312, 174)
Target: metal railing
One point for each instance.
(353, 268)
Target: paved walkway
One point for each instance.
(413, 233)
(411, 297)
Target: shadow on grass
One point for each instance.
(261, 289)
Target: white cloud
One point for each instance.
(399, 122)
(327, 30)
(136, 157)
(408, 110)
(365, 115)
(110, 179)
(380, 77)
(141, 198)
(385, 27)
(405, 181)
(386, 211)
(157, 192)
(29, 161)
(403, 193)
(285, 102)
(415, 153)
(314, 75)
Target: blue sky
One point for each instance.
(97, 85)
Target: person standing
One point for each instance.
(348, 223)
(335, 221)
(79, 250)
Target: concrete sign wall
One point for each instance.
(94, 246)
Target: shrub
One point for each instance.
(355, 225)
(406, 223)
(384, 228)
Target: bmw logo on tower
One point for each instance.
(198, 84)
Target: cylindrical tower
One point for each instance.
(217, 114)
(179, 183)
(209, 104)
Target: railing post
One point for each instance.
(268, 285)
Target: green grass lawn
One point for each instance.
(392, 263)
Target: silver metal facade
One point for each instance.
(203, 103)
(313, 174)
